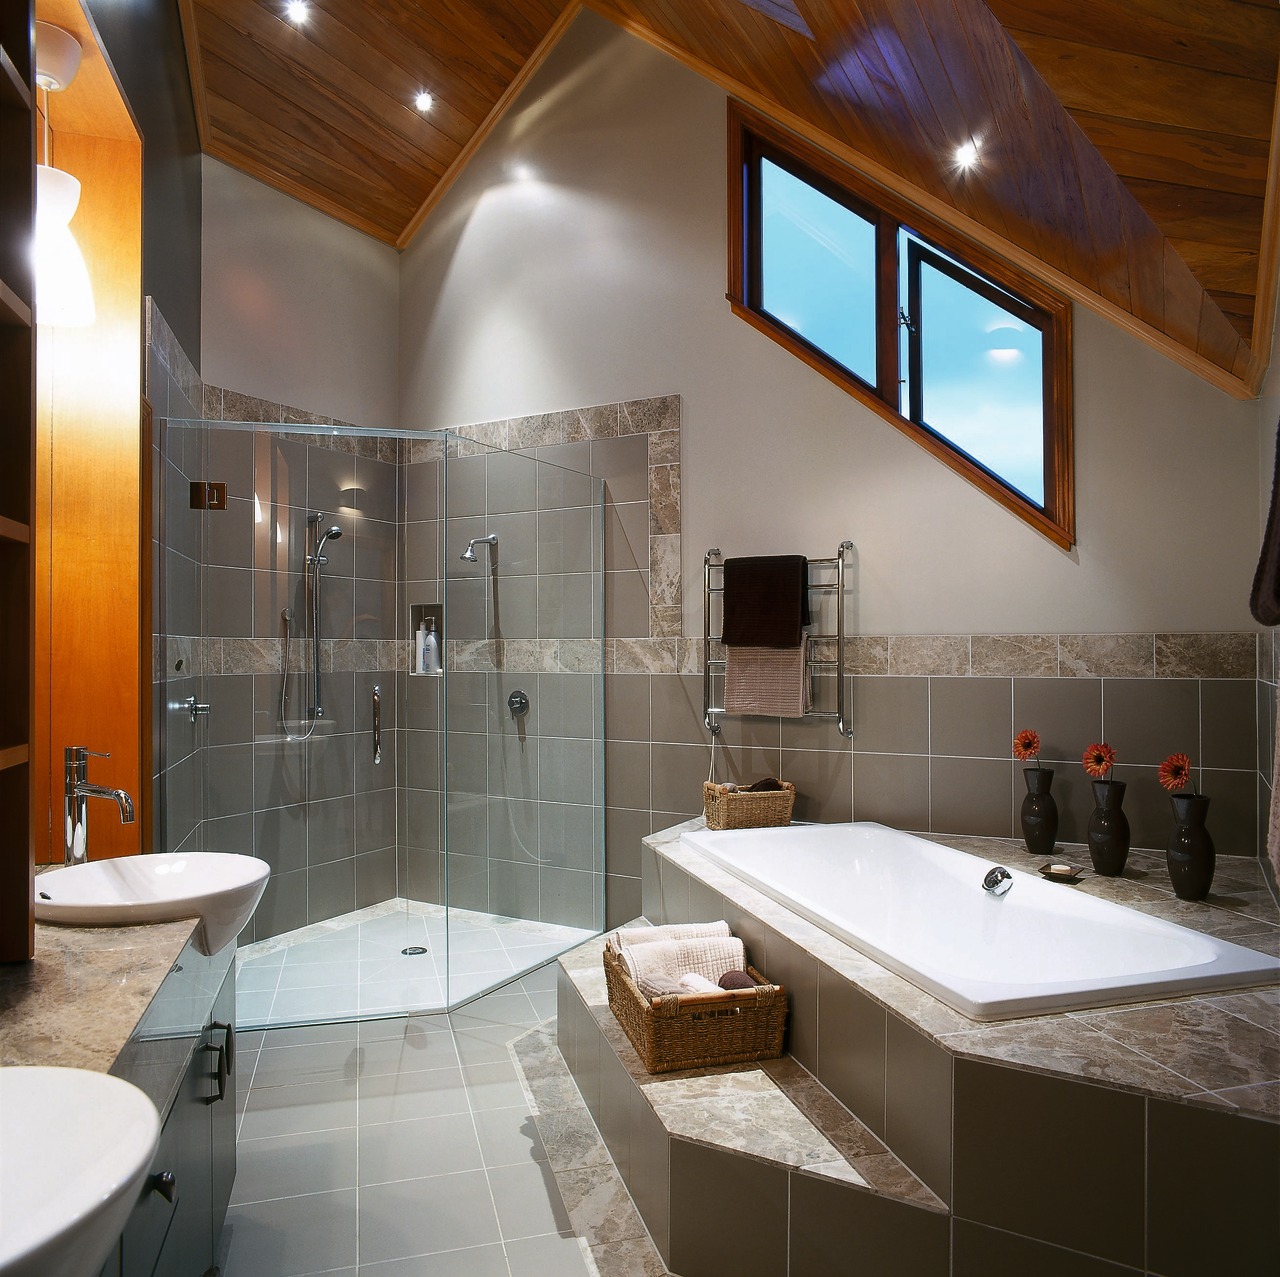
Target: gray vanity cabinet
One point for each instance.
(175, 1227)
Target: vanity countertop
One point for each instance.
(76, 1003)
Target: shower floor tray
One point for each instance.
(355, 967)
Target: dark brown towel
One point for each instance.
(766, 601)
(1264, 598)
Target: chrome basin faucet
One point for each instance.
(75, 807)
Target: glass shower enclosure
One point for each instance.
(399, 642)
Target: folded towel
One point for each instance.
(666, 960)
(671, 931)
(692, 982)
(773, 681)
(766, 601)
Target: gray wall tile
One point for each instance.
(1049, 1132)
(851, 1048)
(990, 1252)
(971, 717)
(709, 1185)
(837, 1228)
(1228, 1221)
(918, 1099)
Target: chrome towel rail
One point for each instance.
(711, 562)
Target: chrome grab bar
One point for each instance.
(377, 723)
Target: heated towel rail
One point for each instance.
(711, 563)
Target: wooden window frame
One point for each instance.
(753, 137)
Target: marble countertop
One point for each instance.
(1217, 1050)
(79, 1000)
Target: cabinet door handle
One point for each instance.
(223, 1073)
(229, 1043)
(166, 1184)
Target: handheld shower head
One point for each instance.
(469, 554)
(334, 532)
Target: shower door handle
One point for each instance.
(377, 723)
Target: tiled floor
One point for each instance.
(352, 967)
(398, 1148)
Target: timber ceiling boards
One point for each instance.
(1125, 143)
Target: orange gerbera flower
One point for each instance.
(1026, 745)
(1098, 760)
(1175, 772)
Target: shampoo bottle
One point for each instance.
(419, 648)
(430, 647)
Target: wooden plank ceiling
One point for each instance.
(1126, 144)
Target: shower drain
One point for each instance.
(413, 951)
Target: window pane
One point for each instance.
(982, 380)
(818, 269)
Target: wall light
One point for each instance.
(64, 294)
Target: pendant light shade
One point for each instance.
(64, 294)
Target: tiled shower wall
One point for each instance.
(174, 390)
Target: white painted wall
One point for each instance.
(601, 276)
(296, 307)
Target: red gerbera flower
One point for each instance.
(1026, 745)
(1098, 760)
(1175, 772)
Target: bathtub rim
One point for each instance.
(1235, 968)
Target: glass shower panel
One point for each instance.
(425, 842)
(523, 760)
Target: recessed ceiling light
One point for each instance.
(297, 11)
(424, 101)
(967, 155)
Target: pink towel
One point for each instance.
(773, 681)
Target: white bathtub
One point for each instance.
(919, 909)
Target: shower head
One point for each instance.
(469, 554)
(335, 532)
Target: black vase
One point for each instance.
(1039, 812)
(1190, 856)
(1108, 829)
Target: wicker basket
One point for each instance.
(739, 809)
(694, 1030)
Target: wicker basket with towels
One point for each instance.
(731, 807)
(694, 1030)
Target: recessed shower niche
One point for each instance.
(426, 844)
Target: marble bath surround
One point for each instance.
(936, 1144)
(1221, 1048)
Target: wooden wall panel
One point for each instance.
(88, 633)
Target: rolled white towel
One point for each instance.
(692, 982)
(708, 956)
(625, 936)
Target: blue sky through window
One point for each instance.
(818, 268)
(983, 379)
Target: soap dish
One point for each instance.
(1061, 872)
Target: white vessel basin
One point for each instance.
(75, 1148)
(221, 889)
